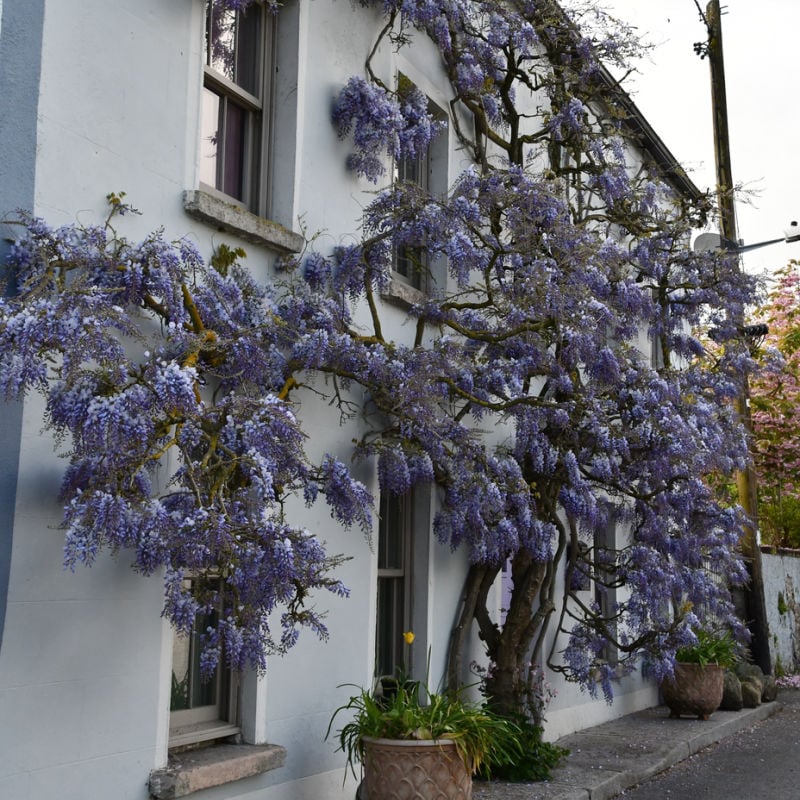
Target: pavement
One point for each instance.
(609, 758)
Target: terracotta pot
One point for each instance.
(414, 770)
(694, 689)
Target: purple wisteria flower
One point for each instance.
(127, 393)
(551, 383)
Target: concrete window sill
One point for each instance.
(232, 218)
(402, 294)
(194, 770)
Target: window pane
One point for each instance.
(393, 583)
(209, 137)
(391, 538)
(248, 49)
(412, 264)
(415, 169)
(403, 264)
(410, 261)
(181, 677)
(226, 130)
(389, 644)
(231, 180)
(221, 39)
(204, 692)
(232, 44)
(188, 690)
(409, 169)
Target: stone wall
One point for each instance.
(782, 598)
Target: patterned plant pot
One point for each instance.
(414, 770)
(694, 689)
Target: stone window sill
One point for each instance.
(206, 767)
(402, 294)
(232, 218)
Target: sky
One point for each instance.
(761, 44)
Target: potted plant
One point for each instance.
(415, 743)
(695, 686)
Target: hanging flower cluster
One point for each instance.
(524, 391)
(167, 376)
(541, 418)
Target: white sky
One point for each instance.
(761, 42)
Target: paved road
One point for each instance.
(761, 762)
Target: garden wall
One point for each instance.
(782, 598)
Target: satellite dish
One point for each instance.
(707, 241)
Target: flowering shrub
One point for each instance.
(168, 378)
(521, 389)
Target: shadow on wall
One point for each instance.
(21, 26)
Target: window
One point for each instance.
(427, 171)
(394, 584)
(605, 588)
(236, 100)
(411, 263)
(200, 710)
(207, 713)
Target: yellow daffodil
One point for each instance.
(409, 637)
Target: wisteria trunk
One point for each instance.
(513, 647)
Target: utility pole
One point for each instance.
(755, 607)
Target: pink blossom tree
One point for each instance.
(775, 402)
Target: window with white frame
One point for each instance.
(235, 118)
(201, 708)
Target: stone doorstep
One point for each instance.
(199, 769)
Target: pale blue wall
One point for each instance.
(21, 24)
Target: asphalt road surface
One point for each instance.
(761, 762)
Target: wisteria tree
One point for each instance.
(525, 394)
(775, 397)
(560, 253)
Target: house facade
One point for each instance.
(128, 95)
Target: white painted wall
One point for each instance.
(83, 669)
(79, 674)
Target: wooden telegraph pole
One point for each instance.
(755, 607)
